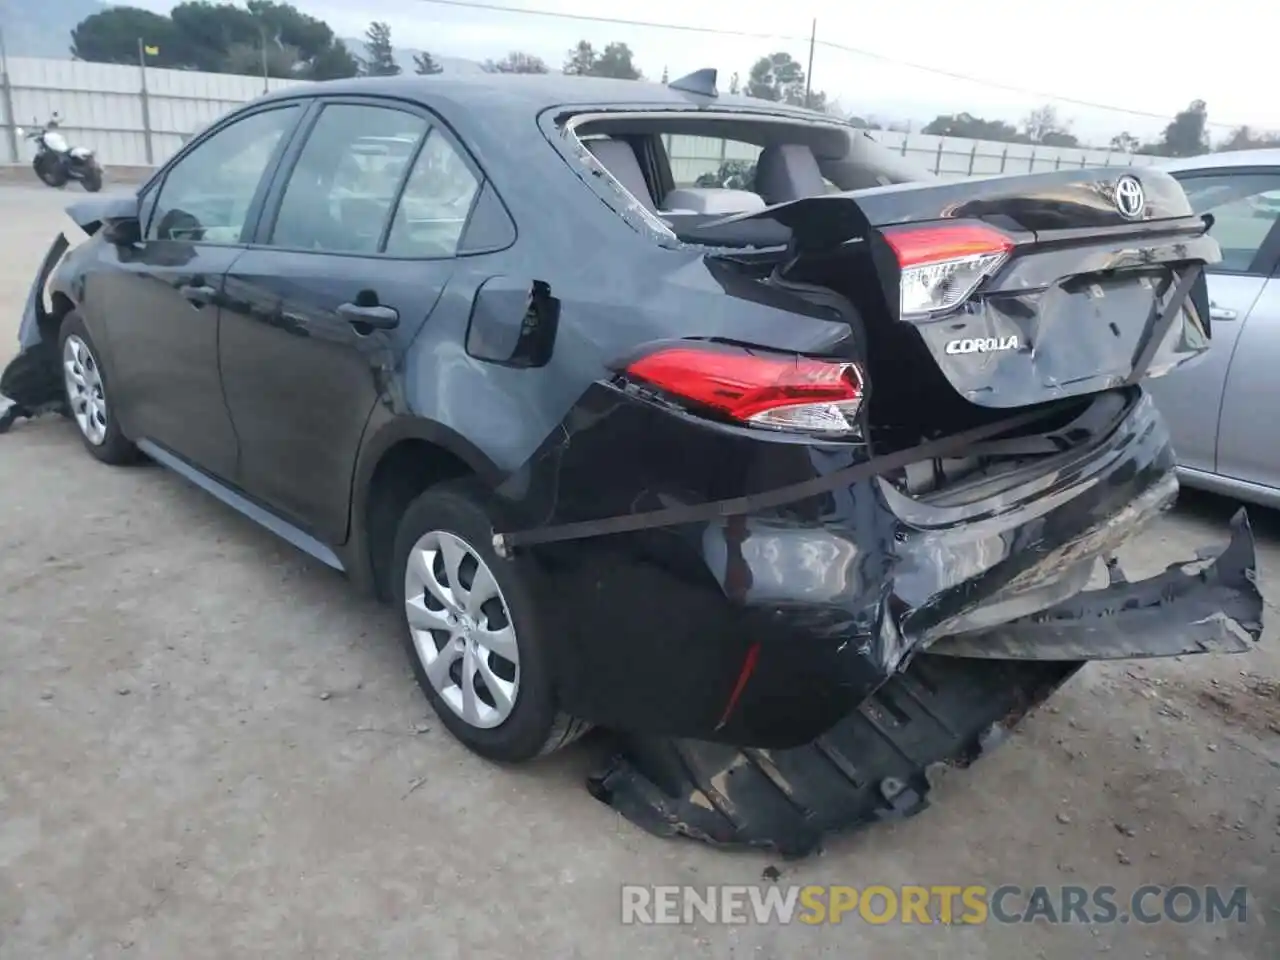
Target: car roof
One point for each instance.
(1258, 157)
(529, 94)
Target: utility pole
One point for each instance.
(262, 32)
(6, 101)
(808, 75)
(146, 102)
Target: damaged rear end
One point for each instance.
(981, 448)
(1050, 297)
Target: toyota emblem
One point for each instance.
(1131, 201)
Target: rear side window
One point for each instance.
(1245, 208)
(341, 190)
(206, 195)
(436, 203)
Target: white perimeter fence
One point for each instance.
(139, 118)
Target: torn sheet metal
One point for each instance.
(30, 383)
(1216, 609)
(879, 763)
(938, 712)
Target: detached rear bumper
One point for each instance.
(1216, 609)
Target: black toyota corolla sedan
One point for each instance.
(637, 447)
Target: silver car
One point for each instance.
(1224, 410)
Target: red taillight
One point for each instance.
(782, 391)
(942, 264)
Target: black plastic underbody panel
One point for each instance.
(879, 763)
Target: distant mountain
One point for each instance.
(404, 57)
(43, 29)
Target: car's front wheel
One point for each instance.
(473, 629)
(88, 395)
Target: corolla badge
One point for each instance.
(982, 344)
(1130, 198)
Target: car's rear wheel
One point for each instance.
(474, 633)
(88, 395)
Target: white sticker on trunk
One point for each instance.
(982, 344)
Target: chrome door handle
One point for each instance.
(1221, 313)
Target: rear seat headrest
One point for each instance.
(788, 171)
(619, 159)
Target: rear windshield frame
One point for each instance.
(559, 126)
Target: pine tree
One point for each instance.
(380, 60)
(424, 63)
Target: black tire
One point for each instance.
(92, 180)
(52, 178)
(114, 448)
(536, 726)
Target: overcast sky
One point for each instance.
(1149, 56)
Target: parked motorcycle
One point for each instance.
(57, 162)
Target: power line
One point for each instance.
(830, 44)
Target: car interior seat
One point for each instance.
(788, 171)
(619, 159)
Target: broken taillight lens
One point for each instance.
(942, 264)
(780, 391)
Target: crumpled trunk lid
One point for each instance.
(1021, 290)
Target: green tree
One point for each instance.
(973, 128)
(247, 59)
(320, 55)
(1125, 142)
(112, 37)
(1186, 136)
(333, 63)
(734, 174)
(1042, 126)
(581, 60)
(209, 31)
(616, 62)
(220, 38)
(379, 59)
(863, 124)
(813, 100)
(776, 77)
(1244, 138)
(779, 77)
(425, 64)
(516, 62)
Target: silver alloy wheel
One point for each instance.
(462, 630)
(84, 389)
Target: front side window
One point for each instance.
(436, 203)
(341, 190)
(206, 195)
(1245, 208)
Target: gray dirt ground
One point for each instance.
(207, 749)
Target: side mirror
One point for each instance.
(117, 216)
(124, 232)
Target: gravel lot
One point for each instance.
(210, 748)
